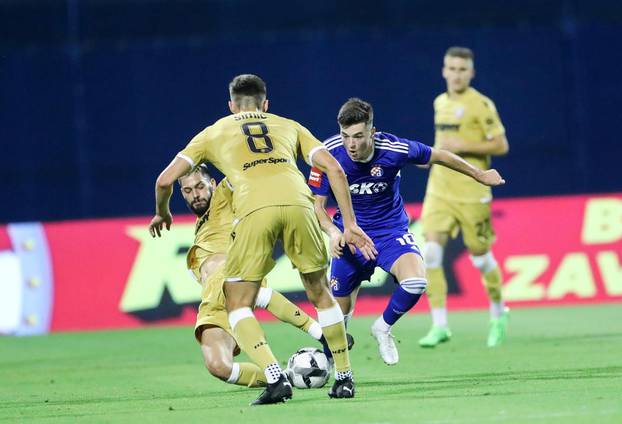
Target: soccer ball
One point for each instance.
(308, 368)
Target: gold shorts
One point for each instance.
(441, 216)
(195, 258)
(212, 310)
(254, 237)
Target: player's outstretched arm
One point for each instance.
(335, 235)
(443, 157)
(352, 233)
(496, 146)
(163, 190)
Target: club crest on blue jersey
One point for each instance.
(376, 171)
(334, 283)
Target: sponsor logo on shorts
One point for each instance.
(376, 171)
(269, 161)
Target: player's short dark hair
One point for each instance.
(355, 111)
(201, 169)
(246, 87)
(462, 52)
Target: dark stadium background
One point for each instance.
(97, 96)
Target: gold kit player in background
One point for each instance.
(211, 204)
(257, 152)
(466, 123)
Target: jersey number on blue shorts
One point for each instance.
(407, 239)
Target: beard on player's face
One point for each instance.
(200, 205)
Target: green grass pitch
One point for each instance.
(559, 365)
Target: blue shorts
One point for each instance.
(350, 270)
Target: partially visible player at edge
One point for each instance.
(373, 161)
(467, 124)
(211, 204)
(257, 152)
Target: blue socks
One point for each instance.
(401, 302)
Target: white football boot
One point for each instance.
(386, 345)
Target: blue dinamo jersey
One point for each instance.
(375, 184)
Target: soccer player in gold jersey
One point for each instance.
(257, 152)
(467, 124)
(211, 204)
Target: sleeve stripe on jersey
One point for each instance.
(393, 143)
(313, 152)
(396, 145)
(333, 144)
(186, 158)
(331, 139)
(381, 147)
(392, 148)
(387, 146)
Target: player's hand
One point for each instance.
(158, 222)
(355, 237)
(336, 243)
(490, 178)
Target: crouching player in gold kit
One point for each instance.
(468, 125)
(211, 204)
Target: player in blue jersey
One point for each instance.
(372, 162)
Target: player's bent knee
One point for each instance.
(346, 304)
(263, 297)
(322, 299)
(314, 280)
(317, 291)
(485, 263)
(414, 285)
(218, 368)
(433, 254)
